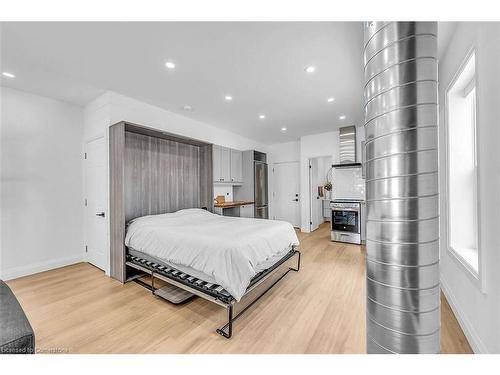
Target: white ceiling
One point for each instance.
(261, 65)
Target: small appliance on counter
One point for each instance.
(219, 199)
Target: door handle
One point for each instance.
(295, 200)
(101, 214)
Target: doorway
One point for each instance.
(319, 196)
(286, 187)
(95, 203)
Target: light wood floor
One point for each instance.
(321, 309)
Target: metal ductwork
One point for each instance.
(402, 240)
(347, 148)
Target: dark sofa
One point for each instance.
(16, 334)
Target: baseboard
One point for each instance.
(470, 333)
(15, 272)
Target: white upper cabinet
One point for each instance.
(236, 166)
(225, 164)
(217, 158)
(228, 165)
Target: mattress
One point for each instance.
(226, 251)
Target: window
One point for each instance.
(462, 167)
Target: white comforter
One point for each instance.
(227, 251)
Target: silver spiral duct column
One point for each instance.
(401, 113)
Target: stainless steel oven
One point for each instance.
(346, 221)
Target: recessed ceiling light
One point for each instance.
(310, 69)
(283, 130)
(170, 65)
(262, 117)
(188, 108)
(330, 100)
(342, 117)
(228, 98)
(9, 75)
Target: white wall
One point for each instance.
(323, 164)
(284, 152)
(307, 147)
(312, 146)
(317, 145)
(111, 108)
(476, 303)
(41, 184)
(223, 189)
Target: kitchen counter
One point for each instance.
(232, 204)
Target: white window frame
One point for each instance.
(477, 277)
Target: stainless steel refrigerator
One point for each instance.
(261, 209)
(255, 183)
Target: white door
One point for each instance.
(96, 207)
(286, 189)
(316, 207)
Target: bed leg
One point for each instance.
(227, 330)
(298, 264)
(229, 325)
(153, 283)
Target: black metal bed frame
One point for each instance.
(211, 292)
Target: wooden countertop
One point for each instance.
(232, 204)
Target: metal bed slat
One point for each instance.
(211, 292)
(178, 284)
(174, 274)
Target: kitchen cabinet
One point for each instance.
(221, 164)
(247, 211)
(227, 165)
(237, 210)
(236, 166)
(217, 158)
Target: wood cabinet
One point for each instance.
(227, 165)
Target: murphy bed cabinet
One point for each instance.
(228, 165)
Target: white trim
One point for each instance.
(309, 174)
(470, 333)
(310, 192)
(15, 272)
(470, 86)
(478, 279)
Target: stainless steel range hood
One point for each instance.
(347, 148)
